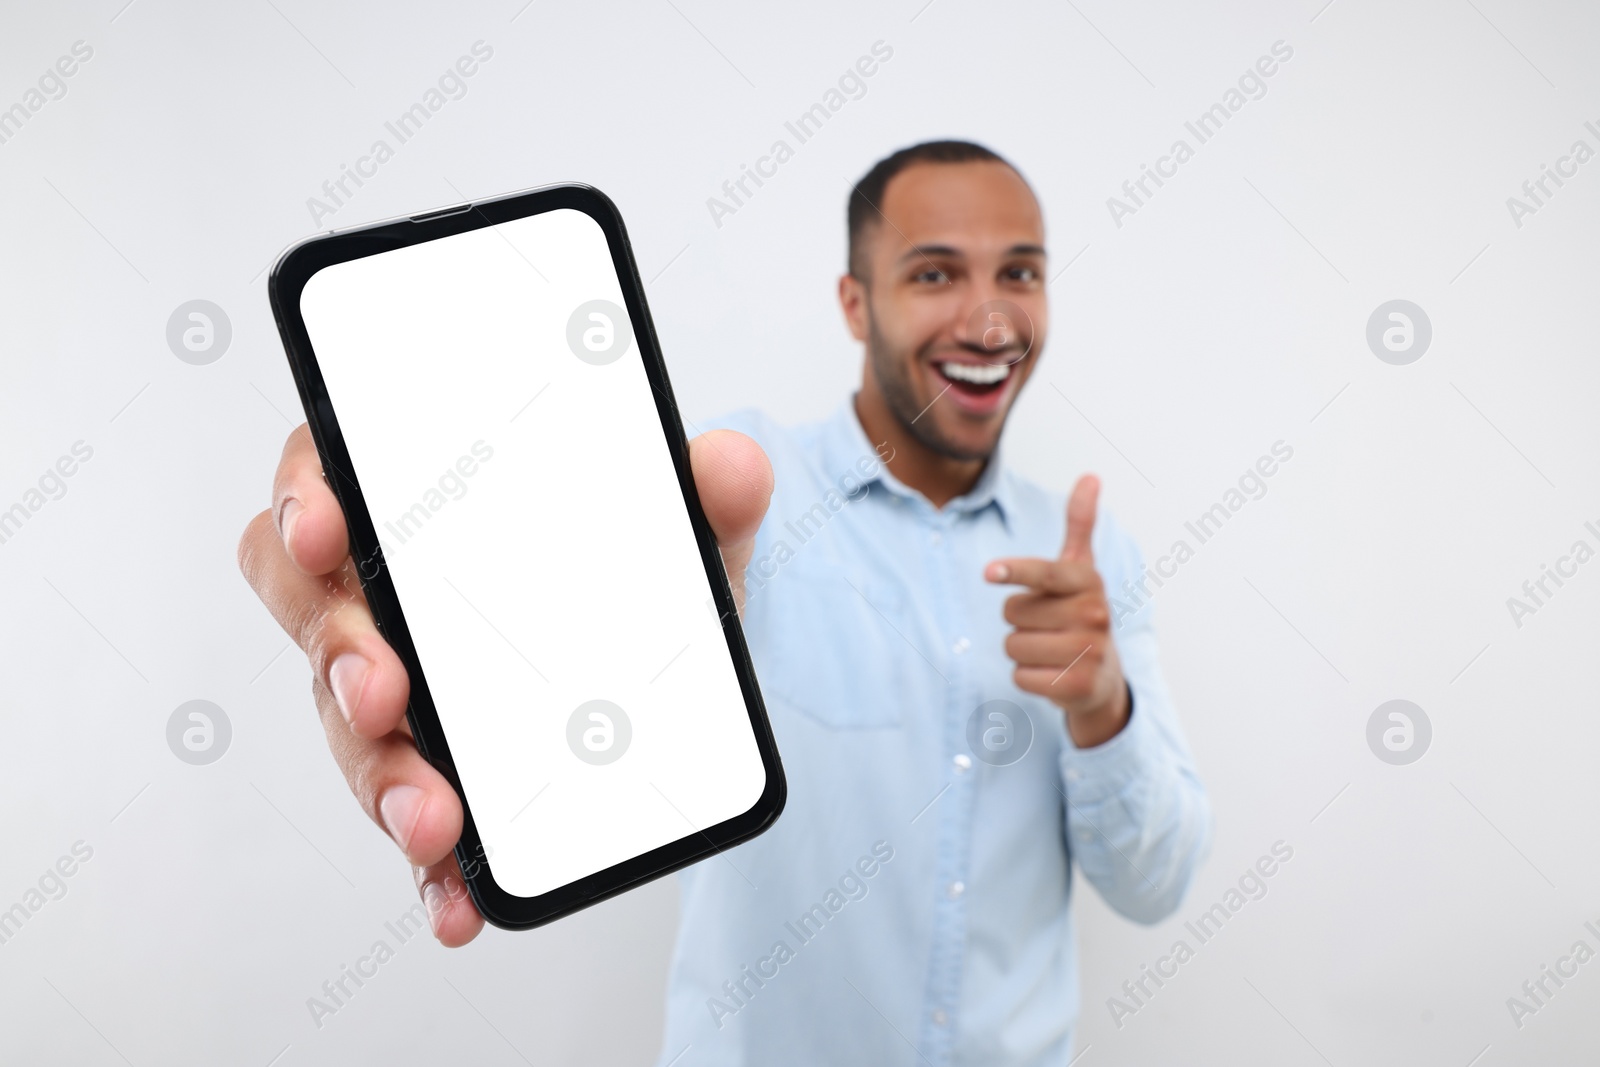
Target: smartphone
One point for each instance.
(491, 409)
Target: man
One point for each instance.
(960, 717)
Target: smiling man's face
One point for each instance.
(948, 294)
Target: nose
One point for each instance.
(993, 324)
(973, 325)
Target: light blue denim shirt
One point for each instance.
(912, 904)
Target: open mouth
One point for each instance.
(978, 387)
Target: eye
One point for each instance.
(1021, 274)
(930, 276)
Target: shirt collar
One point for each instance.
(845, 447)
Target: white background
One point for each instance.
(1227, 314)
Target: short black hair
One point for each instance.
(867, 194)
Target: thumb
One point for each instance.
(1082, 506)
(734, 481)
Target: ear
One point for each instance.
(853, 301)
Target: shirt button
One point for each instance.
(1072, 774)
(961, 645)
(939, 1017)
(956, 889)
(963, 763)
(936, 538)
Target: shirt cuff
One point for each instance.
(1095, 774)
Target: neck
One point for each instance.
(938, 477)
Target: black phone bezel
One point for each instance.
(285, 284)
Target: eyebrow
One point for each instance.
(925, 251)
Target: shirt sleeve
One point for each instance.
(1138, 820)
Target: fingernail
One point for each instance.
(433, 899)
(401, 808)
(999, 572)
(347, 676)
(288, 514)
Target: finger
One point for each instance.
(734, 480)
(1045, 611)
(1054, 683)
(1072, 650)
(398, 789)
(305, 512)
(1082, 506)
(1057, 576)
(455, 919)
(327, 616)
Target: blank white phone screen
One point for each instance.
(495, 406)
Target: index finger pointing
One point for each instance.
(1059, 577)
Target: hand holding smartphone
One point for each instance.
(491, 410)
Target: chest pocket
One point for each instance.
(838, 646)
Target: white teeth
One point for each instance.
(976, 373)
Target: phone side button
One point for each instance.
(441, 213)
